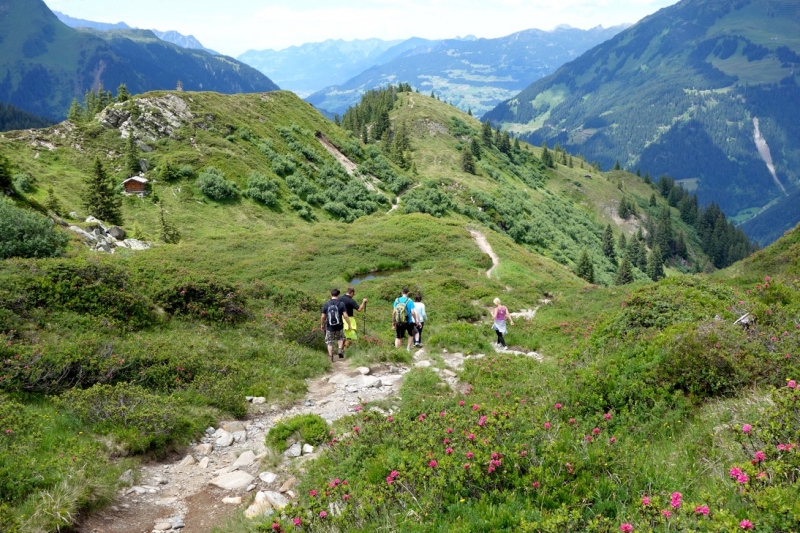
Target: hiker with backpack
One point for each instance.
(404, 319)
(351, 328)
(500, 315)
(419, 307)
(334, 316)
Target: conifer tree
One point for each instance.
(622, 244)
(653, 200)
(99, 198)
(517, 147)
(136, 232)
(680, 246)
(469, 111)
(569, 162)
(505, 143)
(122, 93)
(655, 264)
(6, 180)
(585, 268)
(336, 119)
(475, 148)
(168, 233)
(467, 162)
(616, 165)
(132, 156)
(647, 179)
(547, 157)
(75, 113)
(608, 244)
(624, 273)
(486, 133)
(52, 203)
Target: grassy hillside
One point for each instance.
(44, 64)
(679, 93)
(183, 332)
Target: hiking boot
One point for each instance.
(341, 355)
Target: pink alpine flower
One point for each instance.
(607, 416)
(297, 521)
(558, 406)
(471, 436)
(482, 421)
(390, 419)
(446, 441)
(675, 501)
(626, 528)
(276, 526)
(735, 472)
(701, 509)
(746, 524)
(743, 478)
(588, 438)
(760, 456)
(356, 429)
(466, 466)
(596, 431)
(476, 407)
(571, 420)
(746, 428)
(535, 484)
(792, 384)
(646, 501)
(448, 451)
(346, 497)
(433, 464)
(612, 440)
(312, 493)
(461, 403)
(547, 425)
(323, 514)
(449, 430)
(389, 480)
(394, 474)
(666, 513)
(470, 455)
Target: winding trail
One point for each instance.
(486, 248)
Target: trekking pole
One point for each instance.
(365, 319)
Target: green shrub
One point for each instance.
(137, 418)
(213, 184)
(262, 189)
(204, 299)
(28, 234)
(427, 200)
(308, 428)
(283, 166)
(23, 183)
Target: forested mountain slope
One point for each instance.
(44, 64)
(472, 74)
(705, 90)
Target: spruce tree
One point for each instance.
(655, 264)
(653, 202)
(624, 273)
(122, 93)
(547, 157)
(569, 163)
(475, 147)
(608, 244)
(75, 113)
(52, 203)
(616, 165)
(622, 244)
(505, 143)
(99, 197)
(469, 111)
(680, 246)
(585, 267)
(467, 162)
(5, 175)
(132, 156)
(486, 133)
(168, 233)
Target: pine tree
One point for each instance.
(517, 147)
(336, 119)
(624, 210)
(622, 244)
(547, 157)
(52, 203)
(168, 233)
(616, 165)
(486, 133)
(680, 246)
(655, 264)
(624, 273)
(585, 267)
(608, 244)
(99, 197)
(569, 163)
(433, 95)
(75, 113)
(647, 179)
(122, 93)
(505, 143)
(6, 180)
(469, 111)
(132, 156)
(475, 147)
(136, 232)
(653, 200)
(467, 162)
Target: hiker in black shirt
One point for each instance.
(351, 330)
(334, 315)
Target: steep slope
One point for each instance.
(12, 118)
(475, 73)
(703, 90)
(309, 67)
(44, 64)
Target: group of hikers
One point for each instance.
(408, 318)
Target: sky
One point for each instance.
(235, 26)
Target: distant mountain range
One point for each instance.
(184, 41)
(44, 64)
(470, 73)
(705, 90)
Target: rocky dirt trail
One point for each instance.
(230, 470)
(486, 248)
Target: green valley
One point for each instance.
(257, 206)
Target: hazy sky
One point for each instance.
(234, 26)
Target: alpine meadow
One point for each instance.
(164, 257)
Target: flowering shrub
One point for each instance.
(204, 299)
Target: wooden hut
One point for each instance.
(136, 185)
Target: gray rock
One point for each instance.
(83, 233)
(422, 364)
(117, 232)
(232, 500)
(204, 449)
(250, 487)
(268, 477)
(240, 436)
(289, 484)
(224, 439)
(246, 459)
(134, 244)
(126, 477)
(204, 462)
(363, 382)
(276, 499)
(258, 509)
(163, 526)
(233, 481)
(91, 220)
(210, 431)
(307, 448)
(295, 450)
(232, 427)
(363, 370)
(73, 215)
(188, 461)
(259, 400)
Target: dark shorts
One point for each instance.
(333, 337)
(401, 329)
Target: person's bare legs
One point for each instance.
(341, 348)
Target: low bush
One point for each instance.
(213, 184)
(311, 429)
(25, 233)
(23, 183)
(204, 299)
(262, 189)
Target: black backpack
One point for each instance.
(334, 318)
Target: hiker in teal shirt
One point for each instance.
(404, 319)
